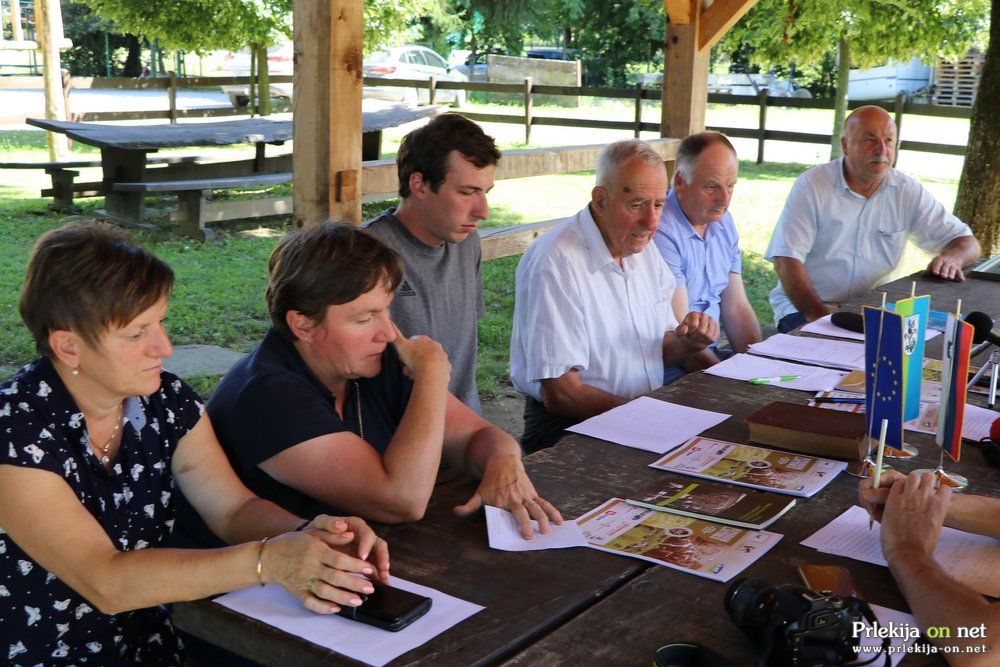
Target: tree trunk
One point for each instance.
(263, 78)
(133, 62)
(978, 201)
(840, 96)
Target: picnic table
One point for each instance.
(580, 606)
(125, 149)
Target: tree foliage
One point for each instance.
(869, 32)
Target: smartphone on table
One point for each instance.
(388, 608)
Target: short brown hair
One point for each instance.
(331, 264)
(85, 277)
(426, 150)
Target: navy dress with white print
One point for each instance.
(42, 620)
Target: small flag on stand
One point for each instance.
(915, 312)
(884, 375)
(954, 372)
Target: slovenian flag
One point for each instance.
(915, 312)
(884, 376)
(954, 374)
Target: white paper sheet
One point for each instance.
(820, 351)
(505, 534)
(748, 366)
(825, 327)
(650, 424)
(899, 645)
(972, 559)
(275, 606)
(976, 425)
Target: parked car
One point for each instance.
(547, 53)
(411, 62)
(279, 63)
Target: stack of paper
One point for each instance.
(705, 548)
(749, 367)
(971, 559)
(650, 424)
(819, 351)
(824, 327)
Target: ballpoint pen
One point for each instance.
(773, 378)
(840, 399)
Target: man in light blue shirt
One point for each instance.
(846, 223)
(698, 239)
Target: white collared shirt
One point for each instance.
(848, 243)
(576, 308)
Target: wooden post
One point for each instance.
(685, 67)
(431, 89)
(16, 30)
(900, 108)
(172, 96)
(327, 110)
(48, 24)
(528, 109)
(761, 124)
(638, 109)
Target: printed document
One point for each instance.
(275, 606)
(650, 424)
(705, 548)
(748, 367)
(820, 351)
(505, 534)
(972, 559)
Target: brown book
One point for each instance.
(817, 431)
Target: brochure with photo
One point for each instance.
(704, 548)
(727, 504)
(751, 466)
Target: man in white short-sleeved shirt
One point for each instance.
(846, 223)
(593, 318)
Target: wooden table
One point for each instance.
(124, 149)
(580, 606)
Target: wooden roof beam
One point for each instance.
(718, 18)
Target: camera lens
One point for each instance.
(743, 599)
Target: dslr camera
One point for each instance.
(797, 627)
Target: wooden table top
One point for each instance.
(222, 133)
(587, 607)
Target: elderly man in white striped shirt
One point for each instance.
(593, 319)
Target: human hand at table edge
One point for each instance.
(913, 515)
(321, 577)
(352, 536)
(505, 484)
(873, 500)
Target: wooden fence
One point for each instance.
(527, 116)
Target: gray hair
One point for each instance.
(611, 159)
(692, 146)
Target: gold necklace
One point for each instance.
(105, 459)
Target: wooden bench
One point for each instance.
(196, 209)
(63, 173)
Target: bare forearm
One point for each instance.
(742, 328)
(964, 249)
(937, 600)
(974, 514)
(678, 353)
(580, 402)
(488, 443)
(414, 454)
(700, 361)
(256, 519)
(799, 288)
(149, 577)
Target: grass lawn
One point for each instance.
(218, 298)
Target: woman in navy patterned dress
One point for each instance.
(93, 437)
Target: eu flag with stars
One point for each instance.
(884, 375)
